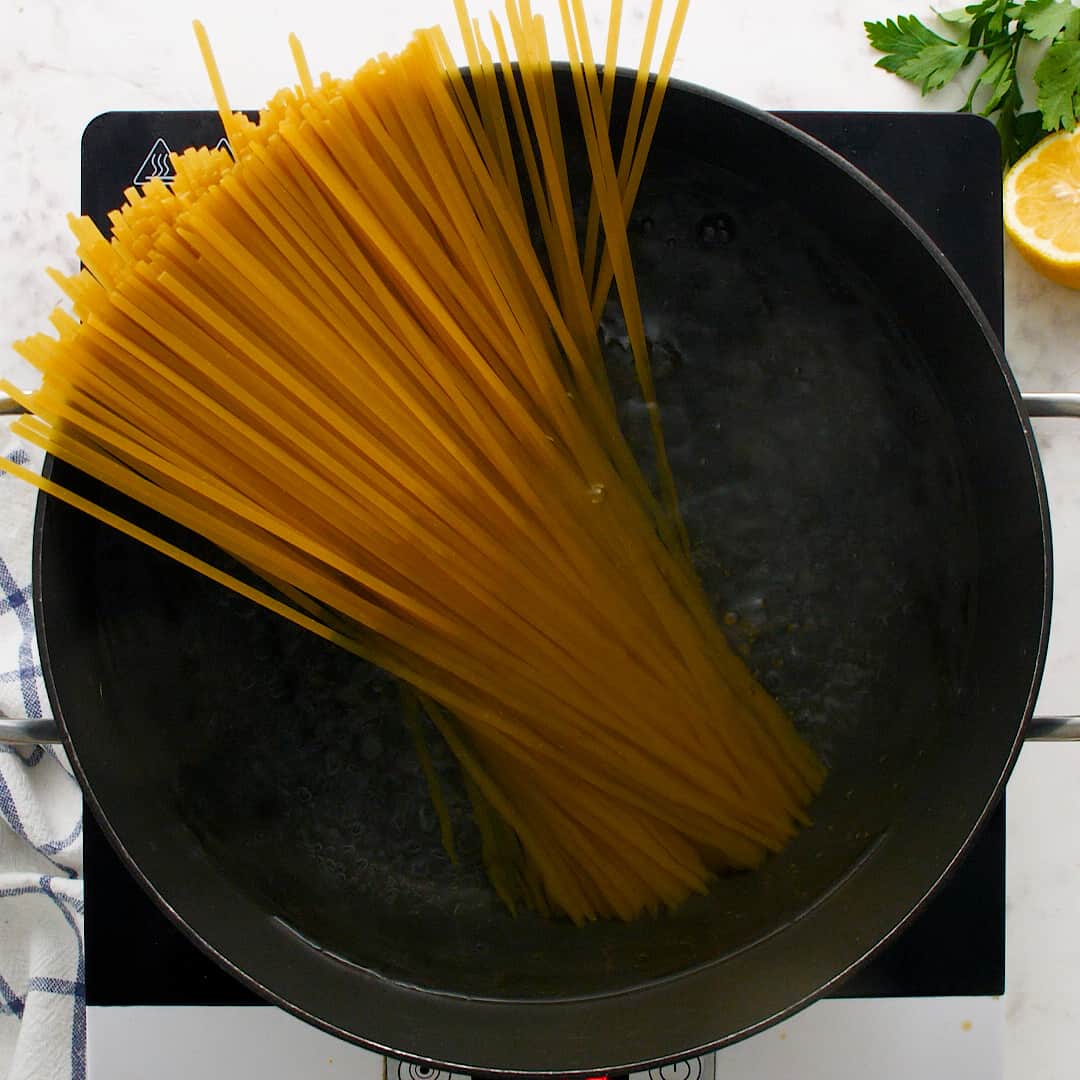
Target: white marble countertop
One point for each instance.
(62, 64)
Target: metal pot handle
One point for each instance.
(25, 731)
(1053, 728)
(28, 732)
(1052, 404)
(1043, 728)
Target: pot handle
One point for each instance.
(1052, 728)
(28, 732)
(1051, 404)
(1040, 728)
(25, 731)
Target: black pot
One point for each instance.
(861, 482)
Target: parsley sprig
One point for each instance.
(998, 33)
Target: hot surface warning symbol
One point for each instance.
(157, 165)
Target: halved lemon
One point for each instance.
(1042, 207)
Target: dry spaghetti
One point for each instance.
(342, 359)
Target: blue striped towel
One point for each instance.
(42, 971)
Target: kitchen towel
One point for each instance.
(42, 970)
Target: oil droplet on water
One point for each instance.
(597, 492)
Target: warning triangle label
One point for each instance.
(156, 165)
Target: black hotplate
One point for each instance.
(943, 169)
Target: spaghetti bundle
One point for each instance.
(342, 359)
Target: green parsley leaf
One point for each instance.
(1005, 37)
(999, 75)
(1028, 130)
(981, 28)
(900, 39)
(1007, 123)
(1046, 18)
(934, 66)
(914, 52)
(1058, 80)
(956, 17)
(1001, 15)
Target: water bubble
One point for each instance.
(716, 229)
(597, 492)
